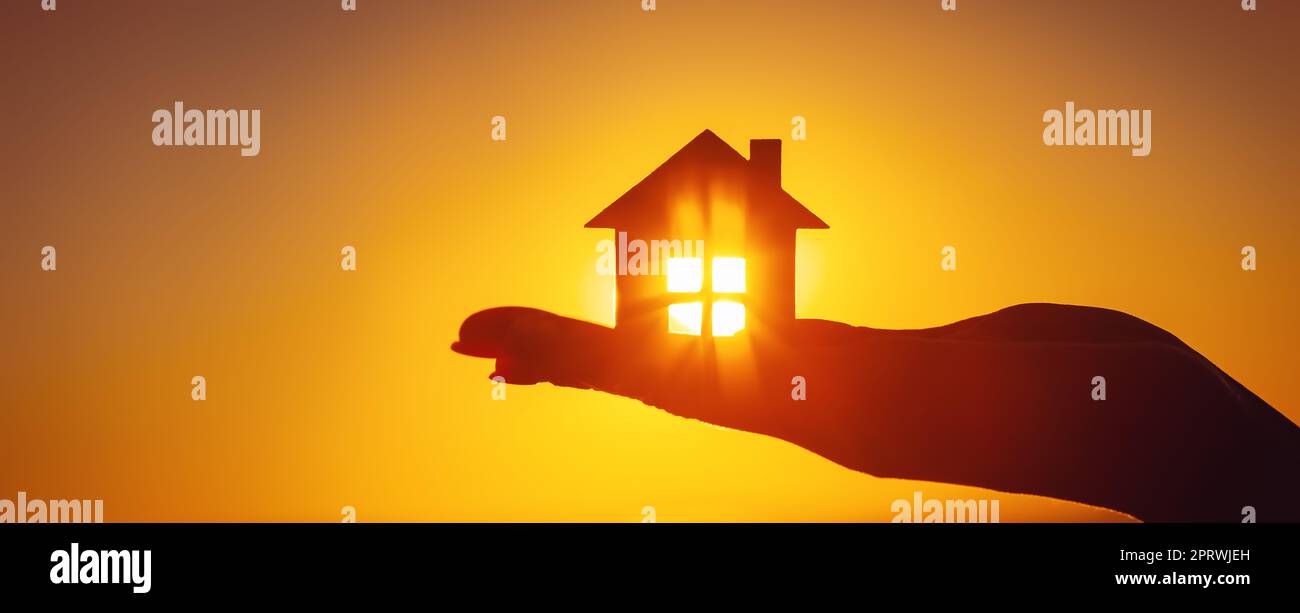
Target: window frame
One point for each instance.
(707, 296)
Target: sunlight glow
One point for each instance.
(685, 275)
(728, 318)
(729, 275)
(685, 318)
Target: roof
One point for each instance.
(706, 155)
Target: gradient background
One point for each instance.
(329, 388)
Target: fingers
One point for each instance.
(494, 332)
(676, 374)
(533, 346)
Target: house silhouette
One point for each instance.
(708, 192)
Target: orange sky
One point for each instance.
(329, 388)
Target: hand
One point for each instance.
(1002, 401)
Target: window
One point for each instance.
(685, 317)
(726, 313)
(728, 318)
(685, 275)
(729, 275)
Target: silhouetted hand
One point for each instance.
(1002, 401)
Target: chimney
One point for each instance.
(765, 160)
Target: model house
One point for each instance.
(744, 281)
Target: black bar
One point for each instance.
(196, 561)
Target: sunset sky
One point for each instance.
(329, 388)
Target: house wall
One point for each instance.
(770, 271)
(643, 299)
